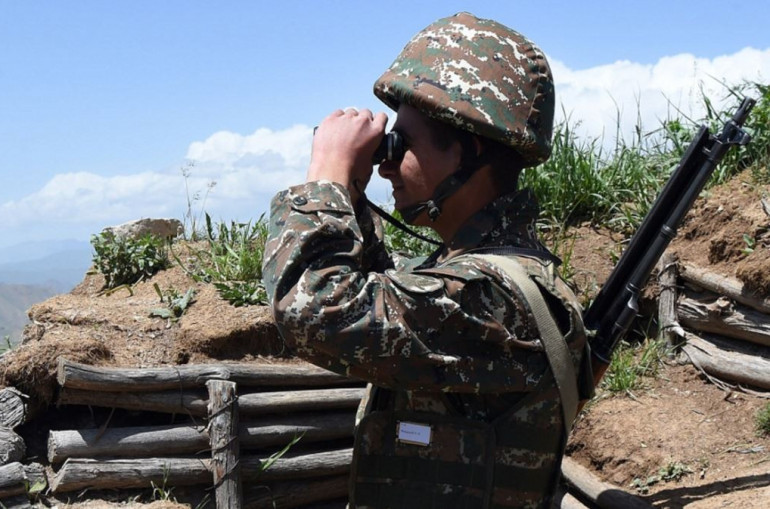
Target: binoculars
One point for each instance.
(391, 148)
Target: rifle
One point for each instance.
(611, 313)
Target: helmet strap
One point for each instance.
(444, 190)
(470, 162)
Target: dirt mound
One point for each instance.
(728, 231)
(118, 329)
(680, 427)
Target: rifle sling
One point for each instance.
(555, 347)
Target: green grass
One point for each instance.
(232, 260)
(583, 182)
(762, 420)
(631, 364)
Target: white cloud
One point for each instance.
(597, 96)
(227, 151)
(249, 168)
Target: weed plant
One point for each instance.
(232, 260)
(125, 260)
(192, 218)
(6, 345)
(175, 304)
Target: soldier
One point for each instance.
(471, 353)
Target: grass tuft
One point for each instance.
(762, 420)
(631, 364)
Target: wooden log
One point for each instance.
(289, 495)
(180, 440)
(126, 442)
(720, 316)
(12, 479)
(307, 465)
(13, 407)
(729, 360)
(82, 376)
(669, 329)
(225, 447)
(280, 430)
(604, 495)
(85, 473)
(12, 447)
(193, 402)
(17, 479)
(722, 285)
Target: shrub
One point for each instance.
(125, 260)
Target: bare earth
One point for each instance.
(679, 418)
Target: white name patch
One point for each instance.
(413, 433)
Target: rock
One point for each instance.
(163, 228)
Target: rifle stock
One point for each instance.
(611, 313)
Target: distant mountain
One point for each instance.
(14, 302)
(34, 271)
(59, 264)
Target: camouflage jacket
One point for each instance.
(451, 341)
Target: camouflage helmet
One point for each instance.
(479, 76)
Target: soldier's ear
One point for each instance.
(477, 145)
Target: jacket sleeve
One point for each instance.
(454, 329)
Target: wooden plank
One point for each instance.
(180, 440)
(225, 447)
(82, 376)
(194, 402)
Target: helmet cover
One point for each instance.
(479, 76)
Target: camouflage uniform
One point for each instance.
(454, 340)
(448, 344)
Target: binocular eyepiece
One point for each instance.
(391, 148)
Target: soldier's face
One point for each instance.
(424, 165)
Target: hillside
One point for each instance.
(677, 419)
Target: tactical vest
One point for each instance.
(405, 459)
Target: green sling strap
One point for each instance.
(555, 347)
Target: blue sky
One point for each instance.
(103, 102)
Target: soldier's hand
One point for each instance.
(343, 146)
